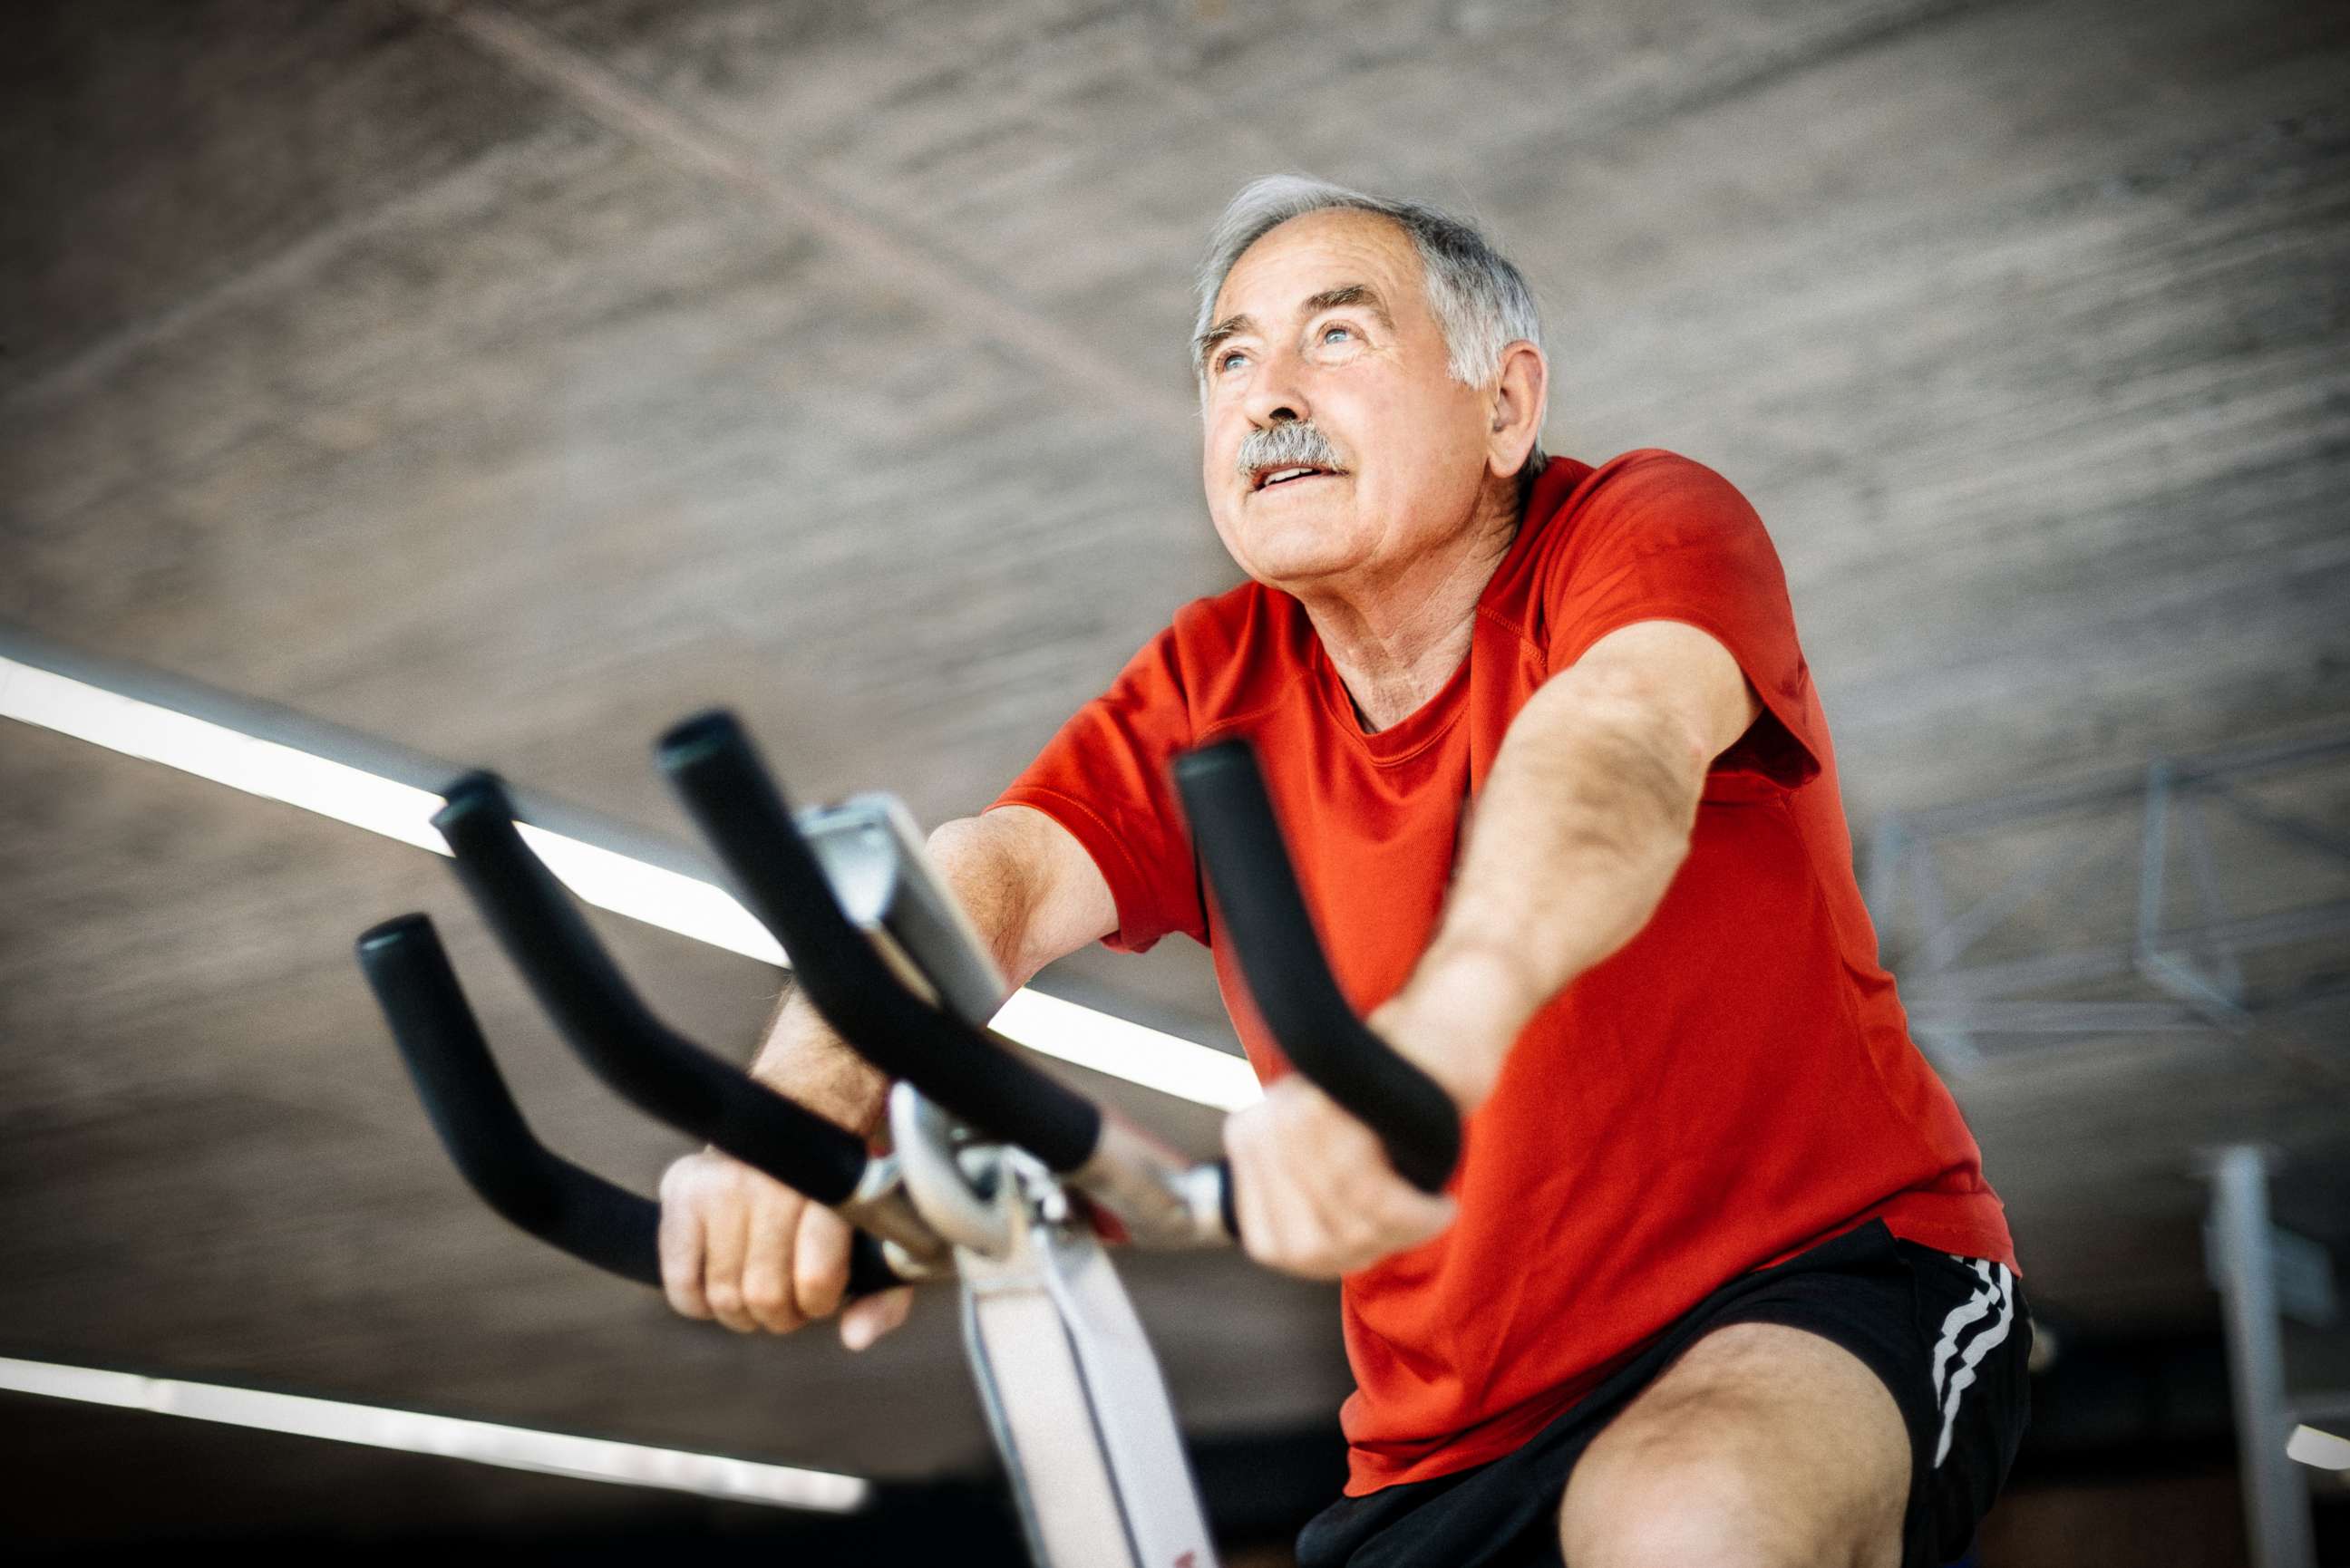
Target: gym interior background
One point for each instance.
(496, 383)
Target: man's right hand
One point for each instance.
(736, 1245)
(741, 1247)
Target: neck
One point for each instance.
(1397, 640)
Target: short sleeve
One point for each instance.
(1657, 537)
(1105, 778)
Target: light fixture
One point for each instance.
(448, 1436)
(611, 879)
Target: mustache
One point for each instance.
(1291, 443)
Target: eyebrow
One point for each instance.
(1314, 303)
(1351, 293)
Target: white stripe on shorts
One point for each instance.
(1998, 1295)
(1966, 1311)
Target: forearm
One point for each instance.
(803, 1055)
(804, 1058)
(1577, 834)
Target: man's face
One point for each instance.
(1326, 320)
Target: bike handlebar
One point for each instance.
(974, 1073)
(968, 1070)
(649, 1064)
(1238, 838)
(478, 1119)
(478, 1123)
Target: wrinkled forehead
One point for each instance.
(1310, 255)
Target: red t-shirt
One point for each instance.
(1734, 1085)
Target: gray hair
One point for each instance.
(1479, 300)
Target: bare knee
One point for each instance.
(1701, 1485)
(1761, 1448)
(1678, 1511)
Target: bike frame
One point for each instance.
(1000, 1175)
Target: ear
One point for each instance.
(1519, 398)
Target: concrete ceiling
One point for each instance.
(507, 379)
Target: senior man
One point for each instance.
(1718, 1280)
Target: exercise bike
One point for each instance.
(998, 1174)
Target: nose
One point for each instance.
(1274, 396)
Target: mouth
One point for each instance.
(1295, 474)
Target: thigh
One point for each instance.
(1762, 1444)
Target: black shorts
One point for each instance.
(1949, 1337)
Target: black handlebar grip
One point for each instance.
(554, 1200)
(650, 1064)
(742, 812)
(493, 1147)
(1238, 838)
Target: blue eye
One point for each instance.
(1224, 360)
(1328, 332)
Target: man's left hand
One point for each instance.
(1315, 1192)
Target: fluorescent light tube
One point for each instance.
(448, 1437)
(608, 879)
